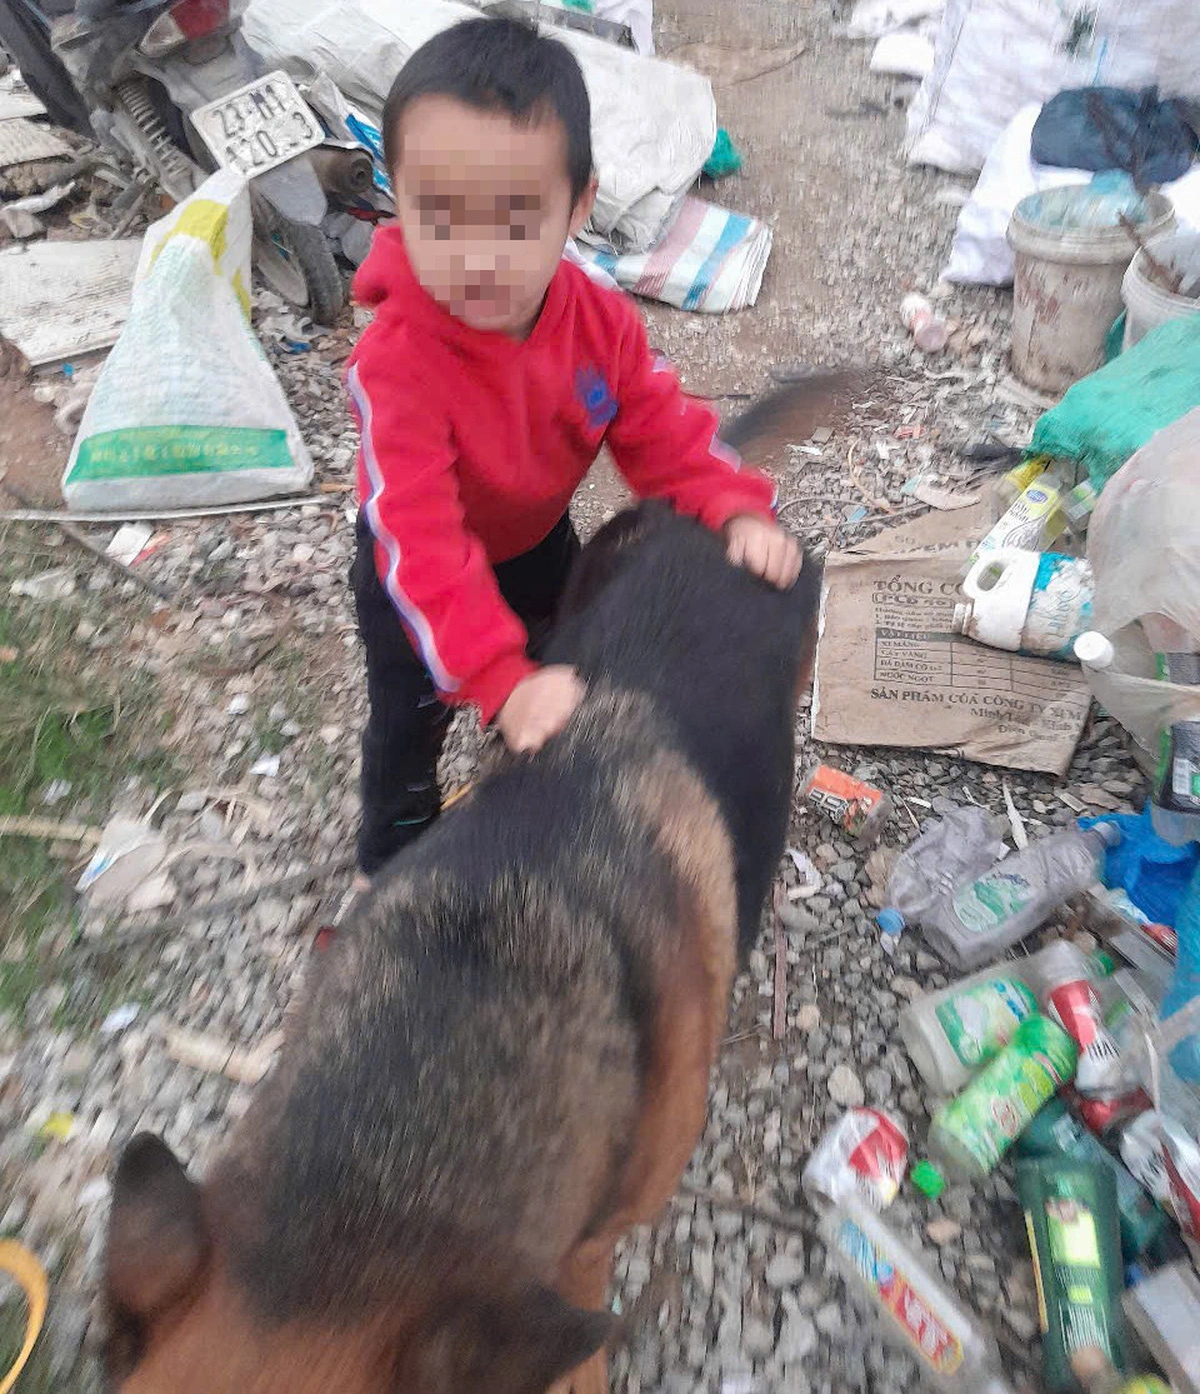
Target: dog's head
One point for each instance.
(180, 1322)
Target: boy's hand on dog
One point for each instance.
(539, 707)
(763, 548)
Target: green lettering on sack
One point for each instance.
(153, 450)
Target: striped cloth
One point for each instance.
(710, 259)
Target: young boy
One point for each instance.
(484, 388)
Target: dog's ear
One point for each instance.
(516, 1346)
(157, 1242)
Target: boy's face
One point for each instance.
(486, 209)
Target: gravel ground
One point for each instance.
(258, 661)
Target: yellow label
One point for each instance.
(1037, 1273)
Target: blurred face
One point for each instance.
(485, 204)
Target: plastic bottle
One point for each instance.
(1011, 485)
(1035, 519)
(971, 1132)
(928, 329)
(1165, 1310)
(958, 845)
(951, 1033)
(1055, 1132)
(1062, 979)
(1035, 603)
(991, 913)
(918, 1313)
(1185, 981)
(1071, 1216)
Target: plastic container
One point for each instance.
(1071, 1216)
(857, 807)
(971, 1132)
(929, 331)
(918, 1314)
(952, 1033)
(1067, 283)
(1035, 603)
(960, 844)
(1148, 303)
(1165, 1310)
(1062, 978)
(988, 915)
(1055, 1132)
(1034, 519)
(1013, 483)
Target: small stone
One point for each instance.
(808, 1018)
(829, 1319)
(797, 1338)
(845, 1087)
(1023, 1323)
(303, 552)
(943, 1231)
(239, 704)
(290, 729)
(785, 1271)
(758, 1340)
(906, 988)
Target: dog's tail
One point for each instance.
(790, 413)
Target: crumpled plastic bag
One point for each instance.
(187, 410)
(1104, 128)
(1144, 546)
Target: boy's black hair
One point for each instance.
(498, 65)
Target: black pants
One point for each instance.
(407, 722)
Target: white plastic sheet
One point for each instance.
(653, 123)
(994, 56)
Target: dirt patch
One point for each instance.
(33, 452)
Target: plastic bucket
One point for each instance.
(1067, 286)
(1148, 304)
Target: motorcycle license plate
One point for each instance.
(259, 126)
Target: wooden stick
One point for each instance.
(49, 827)
(1166, 277)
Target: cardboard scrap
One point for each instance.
(22, 141)
(890, 670)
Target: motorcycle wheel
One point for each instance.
(297, 262)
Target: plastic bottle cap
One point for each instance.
(1103, 965)
(927, 1179)
(962, 616)
(1094, 649)
(1110, 833)
(890, 921)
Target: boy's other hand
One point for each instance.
(763, 548)
(539, 707)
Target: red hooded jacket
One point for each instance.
(473, 443)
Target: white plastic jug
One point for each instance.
(1029, 602)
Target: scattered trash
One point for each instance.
(725, 159)
(950, 850)
(64, 299)
(129, 542)
(1069, 998)
(17, 1262)
(946, 500)
(1033, 521)
(855, 806)
(810, 878)
(918, 1314)
(971, 1132)
(1071, 1214)
(1036, 603)
(951, 1033)
(131, 851)
(211, 425)
(1054, 1132)
(862, 1156)
(998, 909)
(119, 1019)
(51, 1125)
(20, 214)
(891, 672)
(928, 329)
(709, 259)
(56, 584)
(22, 141)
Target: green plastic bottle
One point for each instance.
(1056, 1132)
(1071, 1216)
(971, 1132)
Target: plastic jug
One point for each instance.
(1036, 603)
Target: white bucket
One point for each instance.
(1148, 304)
(1067, 290)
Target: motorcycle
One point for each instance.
(175, 86)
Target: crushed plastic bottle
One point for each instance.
(991, 912)
(959, 846)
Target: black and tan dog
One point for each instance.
(502, 1064)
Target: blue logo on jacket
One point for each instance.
(595, 396)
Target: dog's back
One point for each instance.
(502, 1063)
